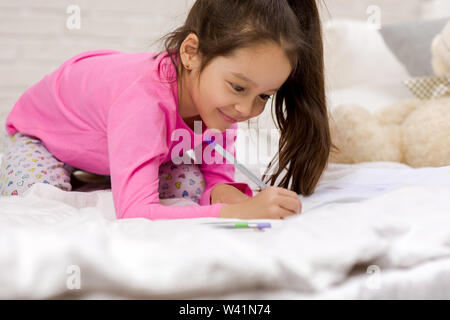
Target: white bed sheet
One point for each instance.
(311, 255)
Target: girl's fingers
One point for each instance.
(286, 192)
(291, 195)
(284, 212)
(291, 204)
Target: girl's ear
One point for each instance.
(189, 53)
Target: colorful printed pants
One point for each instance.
(26, 161)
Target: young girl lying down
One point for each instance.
(113, 113)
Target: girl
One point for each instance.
(114, 113)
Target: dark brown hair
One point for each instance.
(224, 26)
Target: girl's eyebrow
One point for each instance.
(243, 77)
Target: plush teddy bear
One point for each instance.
(414, 131)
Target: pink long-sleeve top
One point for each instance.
(113, 113)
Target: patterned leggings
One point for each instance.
(26, 161)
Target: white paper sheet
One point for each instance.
(368, 183)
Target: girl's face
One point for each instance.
(232, 89)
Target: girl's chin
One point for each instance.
(221, 127)
(217, 124)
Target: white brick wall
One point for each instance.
(34, 38)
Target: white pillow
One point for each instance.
(435, 9)
(355, 53)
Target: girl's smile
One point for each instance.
(227, 118)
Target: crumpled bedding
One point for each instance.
(49, 236)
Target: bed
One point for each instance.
(373, 230)
(394, 244)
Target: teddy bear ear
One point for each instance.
(440, 50)
(438, 64)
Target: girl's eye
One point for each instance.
(237, 88)
(263, 97)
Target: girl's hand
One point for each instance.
(270, 203)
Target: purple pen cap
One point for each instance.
(263, 225)
(209, 140)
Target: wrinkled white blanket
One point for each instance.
(350, 249)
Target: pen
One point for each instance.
(259, 225)
(233, 160)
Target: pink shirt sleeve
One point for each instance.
(137, 143)
(221, 173)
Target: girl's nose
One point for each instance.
(244, 110)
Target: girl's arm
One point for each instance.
(137, 141)
(225, 193)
